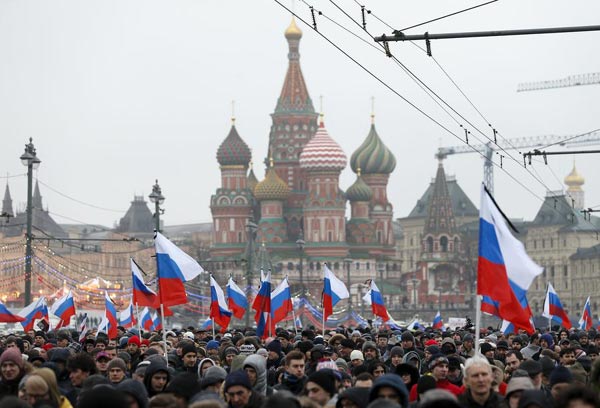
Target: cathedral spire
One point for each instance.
(7, 203)
(441, 215)
(37, 197)
(294, 95)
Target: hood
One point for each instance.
(153, 368)
(536, 398)
(390, 380)
(259, 364)
(359, 396)
(204, 360)
(136, 390)
(549, 339)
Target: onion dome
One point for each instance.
(574, 180)
(359, 191)
(322, 153)
(251, 180)
(233, 150)
(373, 157)
(272, 187)
(293, 32)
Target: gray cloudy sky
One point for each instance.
(118, 93)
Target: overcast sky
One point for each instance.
(118, 93)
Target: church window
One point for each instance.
(551, 242)
(566, 284)
(379, 237)
(564, 242)
(368, 265)
(240, 238)
(411, 241)
(330, 236)
(357, 266)
(231, 224)
(318, 266)
(565, 271)
(336, 266)
(444, 244)
(429, 244)
(552, 271)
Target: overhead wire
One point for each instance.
(447, 15)
(76, 200)
(519, 182)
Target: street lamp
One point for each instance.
(251, 228)
(157, 198)
(348, 263)
(381, 268)
(300, 243)
(414, 282)
(31, 161)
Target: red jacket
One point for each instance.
(442, 384)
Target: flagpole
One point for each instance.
(160, 295)
(213, 327)
(137, 313)
(294, 317)
(477, 321)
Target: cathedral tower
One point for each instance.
(574, 181)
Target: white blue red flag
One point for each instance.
(377, 303)
(333, 291)
(262, 306)
(507, 327)
(103, 326)
(64, 309)
(219, 311)
(281, 302)
(146, 319)
(236, 299)
(438, 323)
(83, 328)
(110, 312)
(156, 322)
(32, 312)
(6, 316)
(553, 308)
(586, 321)
(127, 316)
(504, 270)
(174, 268)
(142, 294)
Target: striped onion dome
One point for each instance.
(373, 157)
(272, 187)
(359, 191)
(322, 152)
(233, 150)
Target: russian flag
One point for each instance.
(262, 306)
(504, 270)
(146, 319)
(236, 299)
(207, 324)
(6, 315)
(507, 327)
(438, 323)
(127, 317)
(32, 312)
(156, 322)
(218, 307)
(377, 303)
(64, 309)
(281, 302)
(174, 267)
(110, 312)
(83, 328)
(333, 291)
(142, 294)
(586, 322)
(103, 327)
(489, 306)
(553, 308)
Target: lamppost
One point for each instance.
(414, 282)
(300, 243)
(251, 228)
(31, 161)
(348, 263)
(157, 198)
(381, 268)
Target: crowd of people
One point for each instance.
(342, 368)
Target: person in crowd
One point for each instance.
(478, 384)
(256, 368)
(117, 370)
(80, 367)
(156, 377)
(54, 393)
(390, 387)
(12, 370)
(238, 391)
(293, 378)
(321, 388)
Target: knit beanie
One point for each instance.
(560, 375)
(396, 351)
(274, 346)
(213, 344)
(426, 383)
(213, 375)
(407, 336)
(184, 385)
(117, 363)
(357, 355)
(324, 379)
(188, 348)
(238, 377)
(12, 354)
(134, 340)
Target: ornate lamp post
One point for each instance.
(157, 198)
(348, 263)
(251, 228)
(414, 282)
(300, 243)
(31, 161)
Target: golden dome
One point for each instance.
(574, 180)
(293, 31)
(272, 187)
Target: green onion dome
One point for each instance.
(359, 191)
(373, 157)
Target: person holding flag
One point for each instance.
(377, 304)
(32, 312)
(218, 307)
(504, 270)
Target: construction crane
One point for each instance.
(571, 80)
(488, 149)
